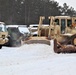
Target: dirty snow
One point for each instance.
(36, 59)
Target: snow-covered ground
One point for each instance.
(36, 59)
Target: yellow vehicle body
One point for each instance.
(61, 25)
(58, 27)
(3, 38)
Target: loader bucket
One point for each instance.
(62, 48)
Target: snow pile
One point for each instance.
(36, 59)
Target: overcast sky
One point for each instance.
(69, 2)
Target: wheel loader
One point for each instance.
(63, 30)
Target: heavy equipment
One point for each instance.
(62, 29)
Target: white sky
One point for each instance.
(69, 2)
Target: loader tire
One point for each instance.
(74, 41)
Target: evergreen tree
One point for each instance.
(28, 12)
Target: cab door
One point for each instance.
(63, 25)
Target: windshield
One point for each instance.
(3, 28)
(0, 28)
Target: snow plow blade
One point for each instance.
(39, 40)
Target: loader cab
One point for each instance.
(63, 22)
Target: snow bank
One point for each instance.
(36, 59)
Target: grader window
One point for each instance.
(69, 23)
(57, 21)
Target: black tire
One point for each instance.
(0, 46)
(58, 52)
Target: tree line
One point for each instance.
(29, 11)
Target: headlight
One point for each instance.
(3, 36)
